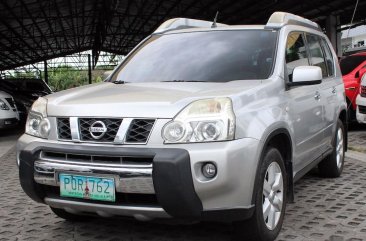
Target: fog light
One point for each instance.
(209, 170)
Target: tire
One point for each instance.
(351, 113)
(259, 227)
(69, 216)
(332, 165)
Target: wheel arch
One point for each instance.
(282, 141)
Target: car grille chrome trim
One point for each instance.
(121, 134)
(128, 179)
(75, 135)
(133, 131)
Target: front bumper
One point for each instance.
(173, 179)
(361, 115)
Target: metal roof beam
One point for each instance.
(42, 59)
(21, 24)
(47, 20)
(139, 10)
(62, 25)
(35, 24)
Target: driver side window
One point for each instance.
(296, 53)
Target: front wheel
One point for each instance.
(270, 201)
(332, 165)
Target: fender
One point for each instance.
(288, 163)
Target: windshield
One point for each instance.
(348, 64)
(212, 56)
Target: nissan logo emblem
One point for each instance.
(97, 130)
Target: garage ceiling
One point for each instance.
(37, 30)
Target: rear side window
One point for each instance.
(316, 53)
(328, 58)
(296, 54)
(349, 63)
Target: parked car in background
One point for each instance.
(353, 67)
(9, 116)
(361, 102)
(24, 91)
(201, 121)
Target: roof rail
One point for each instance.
(280, 19)
(182, 23)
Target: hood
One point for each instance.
(4, 95)
(158, 100)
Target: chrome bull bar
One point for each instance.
(128, 178)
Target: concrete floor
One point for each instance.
(8, 139)
(325, 209)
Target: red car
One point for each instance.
(353, 67)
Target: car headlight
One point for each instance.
(3, 105)
(37, 122)
(202, 121)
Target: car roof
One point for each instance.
(359, 54)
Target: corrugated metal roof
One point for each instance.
(36, 30)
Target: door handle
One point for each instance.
(334, 90)
(317, 95)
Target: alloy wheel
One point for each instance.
(272, 195)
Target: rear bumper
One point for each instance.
(173, 179)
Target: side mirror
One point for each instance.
(306, 75)
(106, 74)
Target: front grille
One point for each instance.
(64, 130)
(91, 130)
(139, 130)
(112, 126)
(363, 91)
(362, 109)
(97, 159)
(11, 102)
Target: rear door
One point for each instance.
(321, 56)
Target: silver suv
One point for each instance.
(201, 121)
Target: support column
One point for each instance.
(45, 71)
(89, 69)
(335, 38)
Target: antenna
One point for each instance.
(215, 20)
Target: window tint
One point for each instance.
(316, 53)
(296, 54)
(212, 56)
(349, 63)
(328, 57)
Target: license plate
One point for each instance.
(87, 187)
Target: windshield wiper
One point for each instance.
(181, 80)
(119, 82)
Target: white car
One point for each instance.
(9, 116)
(361, 102)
